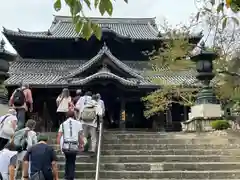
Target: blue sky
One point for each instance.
(37, 15)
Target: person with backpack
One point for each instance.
(42, 159)
(31, 139)
(22, 101)
(70, 140)
(8, 125)
(88, 117)
(82, 101)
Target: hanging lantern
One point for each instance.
(123, 115)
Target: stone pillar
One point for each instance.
(122, 124)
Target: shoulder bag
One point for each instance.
(69, 146)
(6, 127)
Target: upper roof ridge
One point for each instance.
(130, 20)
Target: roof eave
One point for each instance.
(42, 37)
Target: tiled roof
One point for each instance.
(129, 28)
(176, 78)
(6, 54)
(104, 74)
(95, 59)
(34, 78)
(47, 72)
(53, 72)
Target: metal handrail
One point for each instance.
(99, 152)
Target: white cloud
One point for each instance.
(38, 14)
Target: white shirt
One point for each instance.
(101, 103)
(5, 156)
(76, 129)
(7, 124)
(31, 139)
(82, 101)
(99, 111)
(63, 103)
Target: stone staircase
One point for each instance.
(149, 155)
(144, 155)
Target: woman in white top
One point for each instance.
(63, 101)
(8, 125)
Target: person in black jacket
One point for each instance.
(43, 158)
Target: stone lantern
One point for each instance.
(204, 66)
(206, 108)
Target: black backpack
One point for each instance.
(18, 98)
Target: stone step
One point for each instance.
(163, 166)
(158, 174)
(80, 158)
(169, 141)
(157, 158)
(173, 152)
(80, 166)
(155, 149)
(166, 146)
(166, 166)
(135, 135)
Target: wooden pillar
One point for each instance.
(122, 125)
(185, 113)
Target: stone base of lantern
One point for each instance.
(201, 117)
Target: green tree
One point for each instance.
(225, 42)
(83, 25)
(171, 57)
(218, 9)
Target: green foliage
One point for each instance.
(174, 51)
(160, 100)
(83, 25)
(227, 86)
(220, 124)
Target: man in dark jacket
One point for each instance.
(43, 158)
